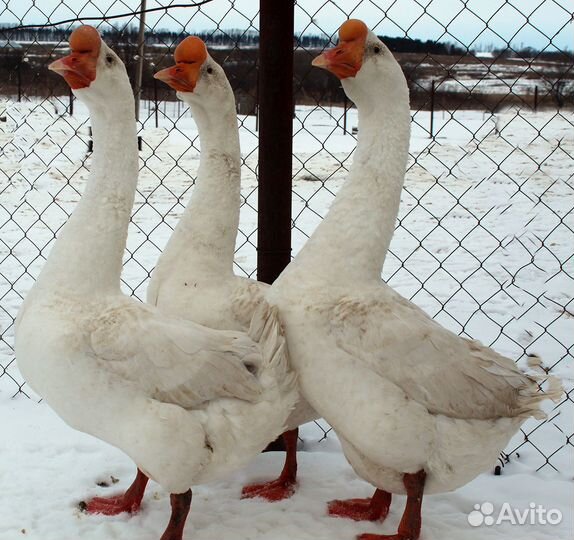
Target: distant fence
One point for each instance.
(458, 250)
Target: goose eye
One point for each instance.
(377, 50)
(209, 70)
(109, 59)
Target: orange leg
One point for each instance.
(284, 486)
(410, 525)
(180, 504)
(371, 509)
(130, 501)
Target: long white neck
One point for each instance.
(87, 255)
(351, 243)
(203, 242)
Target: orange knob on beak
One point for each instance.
(189, 56)
(79, 67)
(346, 58)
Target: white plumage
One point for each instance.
(187, 403)
(194, 277)
(403, 394)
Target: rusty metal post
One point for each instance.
(275, 137)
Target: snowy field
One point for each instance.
(486, 225)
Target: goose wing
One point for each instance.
(446, 373)
(175, 361)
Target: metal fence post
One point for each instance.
(155, 105)
(139, 69)
(275, 137)
(345, 104)
(19, 77)
(432, 92)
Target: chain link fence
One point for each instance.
(486, 228)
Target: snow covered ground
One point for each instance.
(47, 468)
(484, 245)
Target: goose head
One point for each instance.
(198, 79)
(366, 67)
(93, 71)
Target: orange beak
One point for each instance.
(79, 67)
(189, 57)
(182, 77)
(346, 59)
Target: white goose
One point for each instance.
(416, 407)
(194, 277)
(188, 404)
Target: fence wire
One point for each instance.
(486, 228)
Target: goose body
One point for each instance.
(188, 404)
(416, 407)
(169, 394)
(402, 393)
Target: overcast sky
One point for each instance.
(446, 20)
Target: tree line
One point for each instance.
(235, 37)
(222, 38)
(25, 54)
